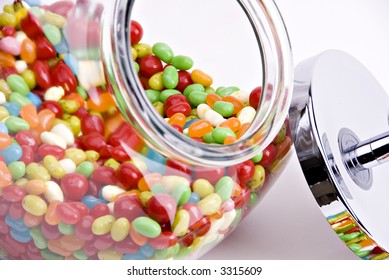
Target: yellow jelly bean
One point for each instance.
(210, 204)
(54, 19)
(69, 106)
(169, 183)
(181, 223)
(8, 19)
(3, 113)
(258, 179)
(54, 168)
(75, 124)
(109, 254)
(120, 229)
(199, 77)
(134, 54)
(92, 156)
(145, 196)
(142, 49)
(102, 225)
(202, 187)
(112, 163)
(76, 155)
(37, 171)
(156, 82)
(34, 205)
(21, 182)
(29, 77)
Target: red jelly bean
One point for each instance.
(93, 188)
(99, 210)
(184, 80)
(42, 74)
(136, 32)
(92, 123)
(8, 31)
(242, 200)
(245, 171)
(269, 155)
(201, 227)
(162, 208)
(174, 99)
(16, 210)
(165, 240)
(13, 193)
(119, 154)
(24, 137)
(129, 207)
(128, 175)
(4, 229)
(31, 26)
(211, 174)
(178, 128)
(83, 228)
(74, 186)
(4, 207)
(62, 75)
(67, 213)
(182, 107)
(53, 150)
(186, 240)
(52, 106)
(81, 207)
(255, 97)
(104, 175)
(27, 154)
(93, 141)
(8, 71)
(150, 65)
(44, 49)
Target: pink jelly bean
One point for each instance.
(16, 210)
(68, 213)
(103, 242)
(127, 246)
(83, 229)
(61, 7)
(4, 229)
(50, 231)
(10, 45)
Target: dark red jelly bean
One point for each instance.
(53, 107)
(104, 175)
(31, 26)
(67, 213)
(129, 207)
(255, 97)
(93, 141)
(186, 240)
(53, 150)
(13, 193)
(24, 137)
(28, 154)
(44, 49)
(62, 75)
(150, 65)
(128, 175)
(165, 240)
(182, 107)
(8, 31)
(269, 155)
(99, 210)
(41, 71)
(245, 171)
(74, 186)
(119, 154)
(184, 80)
(136, 32)
(92, 123)
(162, 208)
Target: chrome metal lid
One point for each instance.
(339, 119)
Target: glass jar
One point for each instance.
(95, 162)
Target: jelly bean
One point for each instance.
(224, 91)
(3, 128)
(255, 97)
(93, 141)
(202, 78)
(153, 95)
(54, 19)
(269, 156)
(63, 132)
(19, 99)
(120, 229)
(168, 253)
(51, 216)
(8, 31)
(212, 98)
(13, 193)
(142, 50)
(11, 153)
(91, 123)
(161, 207)
(199, 128)
(6, 59)
(156, 81)
(52, 106)
(52, 33)
(10, 45)
(49, 255)
(181, 194)
(224, 188)
(35, 187)
(44, 49)
(103, 225)
(182, 62)
(181, 223)
(214, 117)
(5, 175)
(170, 77)
(74, 186)
(34, 205)
(31, 26)
(210, 204)
(62, 75)
(150, 65)
(163, 52)
(220, 133)
(52, 139)
(20, 66)
(31, 221)
(42, 74)
(246, 115)
(177, 119)
(183, 108)
(85, 168)
(184, 80)
(202, 187)
(53, 192)
(7, 19)
(54, 150)
(67, 213)
(226, 109)
(17, 83)
(146, 227)
(165, 240)
(17, 169)
(29, 77)
(197, 97)
(37, 171)
(21, 236)
(109, 192)
(5, 140)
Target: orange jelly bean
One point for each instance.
(232, 123)
(199, 128)
(28, 50)
(238, 104)
(5, 140)
(229, 139)
(55, 246)
(7, 60)
(35, 187)
(5, 175)
(46, 119)
(31, 220)
(72, 242)
(202, 78)
(138, 239)
(148, 181)
(212, 98)
(29, 114)
(178, 119)
(242, 130)
(100, 102)
(51, 217)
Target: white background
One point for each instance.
(288, 224)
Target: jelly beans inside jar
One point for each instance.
(125, 136)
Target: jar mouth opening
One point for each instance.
(276, 60)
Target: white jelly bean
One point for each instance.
(63, 131)
(53, 139)
(242, 95)
(53, 191)
(246, 115)
(202, 109)
(111, 206)
(54, 93)
(91, 74)
(229, 217)
(2, 98)
(213, 117)
(109, 192)
(21, 66)
(20, 36)
(216, 225)
(68, 165)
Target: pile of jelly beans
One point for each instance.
(78, 182)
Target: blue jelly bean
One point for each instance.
(3, 128)
(194, 197)
(32, 3)
(187, 124)
(137, 256)
(62, 47)
(72, 62)
(155, 162)
(21, 236)
(147, 250)
(13, 108)
(100, 196)
(35, 99)
(91, 201)
(12, 153)
(15, 224)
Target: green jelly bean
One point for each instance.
(15, 124)
(40, 240)
(48, 255)
(52, 33)
(363, 254)
(163, 52)
(238, 217)
(220, 133)
(20, 99)
(29, 77)
(17, 169)
(355, 247)
(136, 67)
(146, 227)
(17, 83)
(197, 97)
(153, 95)
(170, 77)
(193, 87)
(81, 91)
(253, 198)
(226, 109)
(207, 138)
(158, 188)
(224, 91)
(281, 135)
(37, 171)
(351, 236)
(181, 194)
(8, 19)
(80, 255)
(182, 62)
(158, 107)
(166, 93)
(258, 157)
(168, 252)
(156, 82)
(224, 188)
(9, 9)
(66, 229)
(184, 252)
